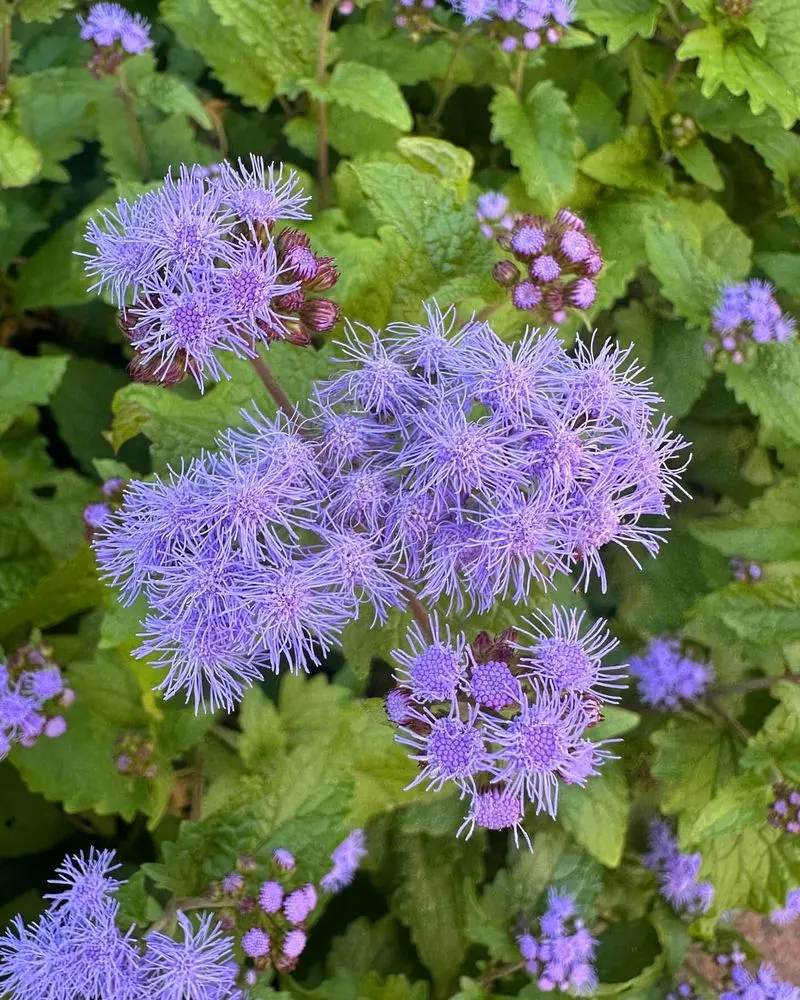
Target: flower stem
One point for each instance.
(273, 386)
(126, 99)
(5, 51)
(323, 152)
(419, 611)
(448, 84)
(518, 78)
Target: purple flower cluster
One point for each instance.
(561, 956)
(763, 984)
(684, 991)
(77, 950)
(790, 912)
(676, 872)
(460, 464)
(748, 313)
(560, 262)
(784, 812)
(199, 271)
(513, 22)
(745, 570)
(346, 858)
(33, 696)
(134, 756)
(666, 678)
(504, 721)
(269, 916)
(109, 25)
(97, 516)
(492, 214)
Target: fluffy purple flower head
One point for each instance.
(260, 193)
(676, 872)
(764, 984)
(432, 348)
(96, 515)
(495, 809)
(233, 883)
(270, 897)
(87, 884)
(749, 311)
(528, 241)
(493, 685)
(200, 965)
(666, 677)
(561, 956)
(284, 859)
(34, 960)
(560, 651)
(526, 295)
(432, 669)
(43, 684)
(448, 749)
(294, 943)
(255, 942)
(346, 858)
(299, 904)
(109, 23)
(492, 206)
(790, 912)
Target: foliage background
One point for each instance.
(417, 129)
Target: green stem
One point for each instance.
(419, 611)
(504, 970)
(5, 51)
(518, 78)
(752, 684)
(126, 99)
(273, 386)
(323, 151)
(448, 82)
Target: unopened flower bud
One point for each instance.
(505, 273)
(67, 698)
(155, 372)
(326, 276)
(289, 239)
(320, 315)
(291, 302)
(302, 262)
(246, 863)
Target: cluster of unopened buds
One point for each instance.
(736, 8)
(504, 720)
(747, 314)
(784, 811)
(515, 23)
(97, 515)
(199, 269)
(415, 15)
(560, 262)
(746, 570)
(134, 756)
(116, 35)
(682, 130)
(33, 696)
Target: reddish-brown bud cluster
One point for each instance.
(415, 17)
(736, 8)
(497, 648)
(303, 313)
(134, 756)
(560, 262)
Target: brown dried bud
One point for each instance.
(246, 863)
(296, 334)
(247, 904)
(285, 964)
(153, 373)
(320, 315)
(227, 919)
(126, 323)
(505, 273)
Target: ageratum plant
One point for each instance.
(399, 426)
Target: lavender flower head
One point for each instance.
(748, 313)
(33, 695)
(200, 271)
(790, 912)
(492, 213)
(666, 678)
(509, 726)
(530, 23)
(346, 858)
(109, 24)
(763, 983)
(201, 964)
(562, 955)
(676, 872)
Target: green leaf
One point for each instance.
(768, 74)
(362, 641)
(769, 384)
(280, 35)
(740, 804)
(597, 815)
(629, 958)
(617, 223)
(28, 823)
(434, 878)
(599, 122)
(226, 54)
(693, 249)
(783, 269)
(42, 10)
(20, 159)
(628, 162)
(699, 163)
(368, 90)
(164, 91)
(540, 134)
(777, 743)
(428, 238)
(763, 614)
(621, 20)
(450, 163)
(26, 382)
(768, 530)
(693, 760)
